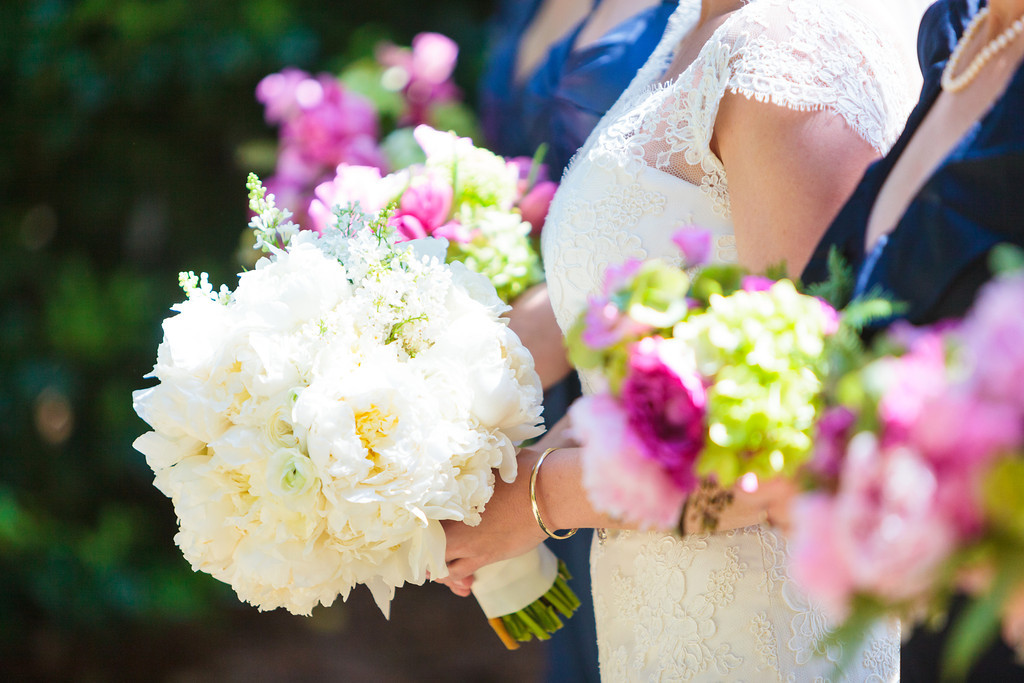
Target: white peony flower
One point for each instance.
(314, 427)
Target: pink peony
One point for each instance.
(666, 405)
(818, 563)
(695, 245)
(911, 381)
(890, 523)
(534, 206)
(619, 478)
(429, 200)
(992, 334)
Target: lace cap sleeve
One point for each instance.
(820, 54)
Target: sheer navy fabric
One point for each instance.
(935, 259)
(570, 90)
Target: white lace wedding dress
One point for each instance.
(712, 607)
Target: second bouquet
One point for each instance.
(705, 376)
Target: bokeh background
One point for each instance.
(124, 126)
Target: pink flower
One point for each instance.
(818, 562)
(332, 126)
(606, 325)
(890, 523)
(423, 74)
(756, 283)
(831, 317)
(992, 334)
(960, 436)
(350, 186)
(617, 474)
(666, 405)
(912, 380)
(429, 200)
(534, 206)
(408, 227)
(833, 432)
(278, 93)
(695, 245)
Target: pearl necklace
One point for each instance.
(953, 84)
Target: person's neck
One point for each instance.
(1001, 14)
(710, 9)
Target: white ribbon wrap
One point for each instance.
(510, 585)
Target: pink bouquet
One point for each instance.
(920, 487)
(710, 377)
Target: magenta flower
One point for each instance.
(756, 283)
(422, 74)
(617, 474)
(695, 244)
(408, 227)
(833, 432)
(534, 206)
(332, 126)
(666, 405)
(429, 200)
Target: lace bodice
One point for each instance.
(825, 56)
(711, 607)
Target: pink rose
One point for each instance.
(351, 185)
(992, 334)
(666, 406)
(618, 476)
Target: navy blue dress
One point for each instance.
(559, 104)
(570, 90)
(935, 259)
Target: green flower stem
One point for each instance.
(541, 618)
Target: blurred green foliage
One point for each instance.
(120, 124)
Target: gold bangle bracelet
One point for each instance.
(533, 499)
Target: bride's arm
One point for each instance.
(533, 320)
(789, 174)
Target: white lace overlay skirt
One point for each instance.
(713, 608)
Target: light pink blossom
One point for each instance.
(695, 245)
(617, 474)
(534, 206)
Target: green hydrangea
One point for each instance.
(500, 250)
(763, 351)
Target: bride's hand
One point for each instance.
(507, 529)
(766, 503)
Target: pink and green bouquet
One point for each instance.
(920, 481)
(706, 374)
(315, 425)
(363, 116)
(465, 194)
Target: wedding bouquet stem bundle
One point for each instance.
(314, 426)
(919, 481)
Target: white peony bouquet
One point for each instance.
(314, 426)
